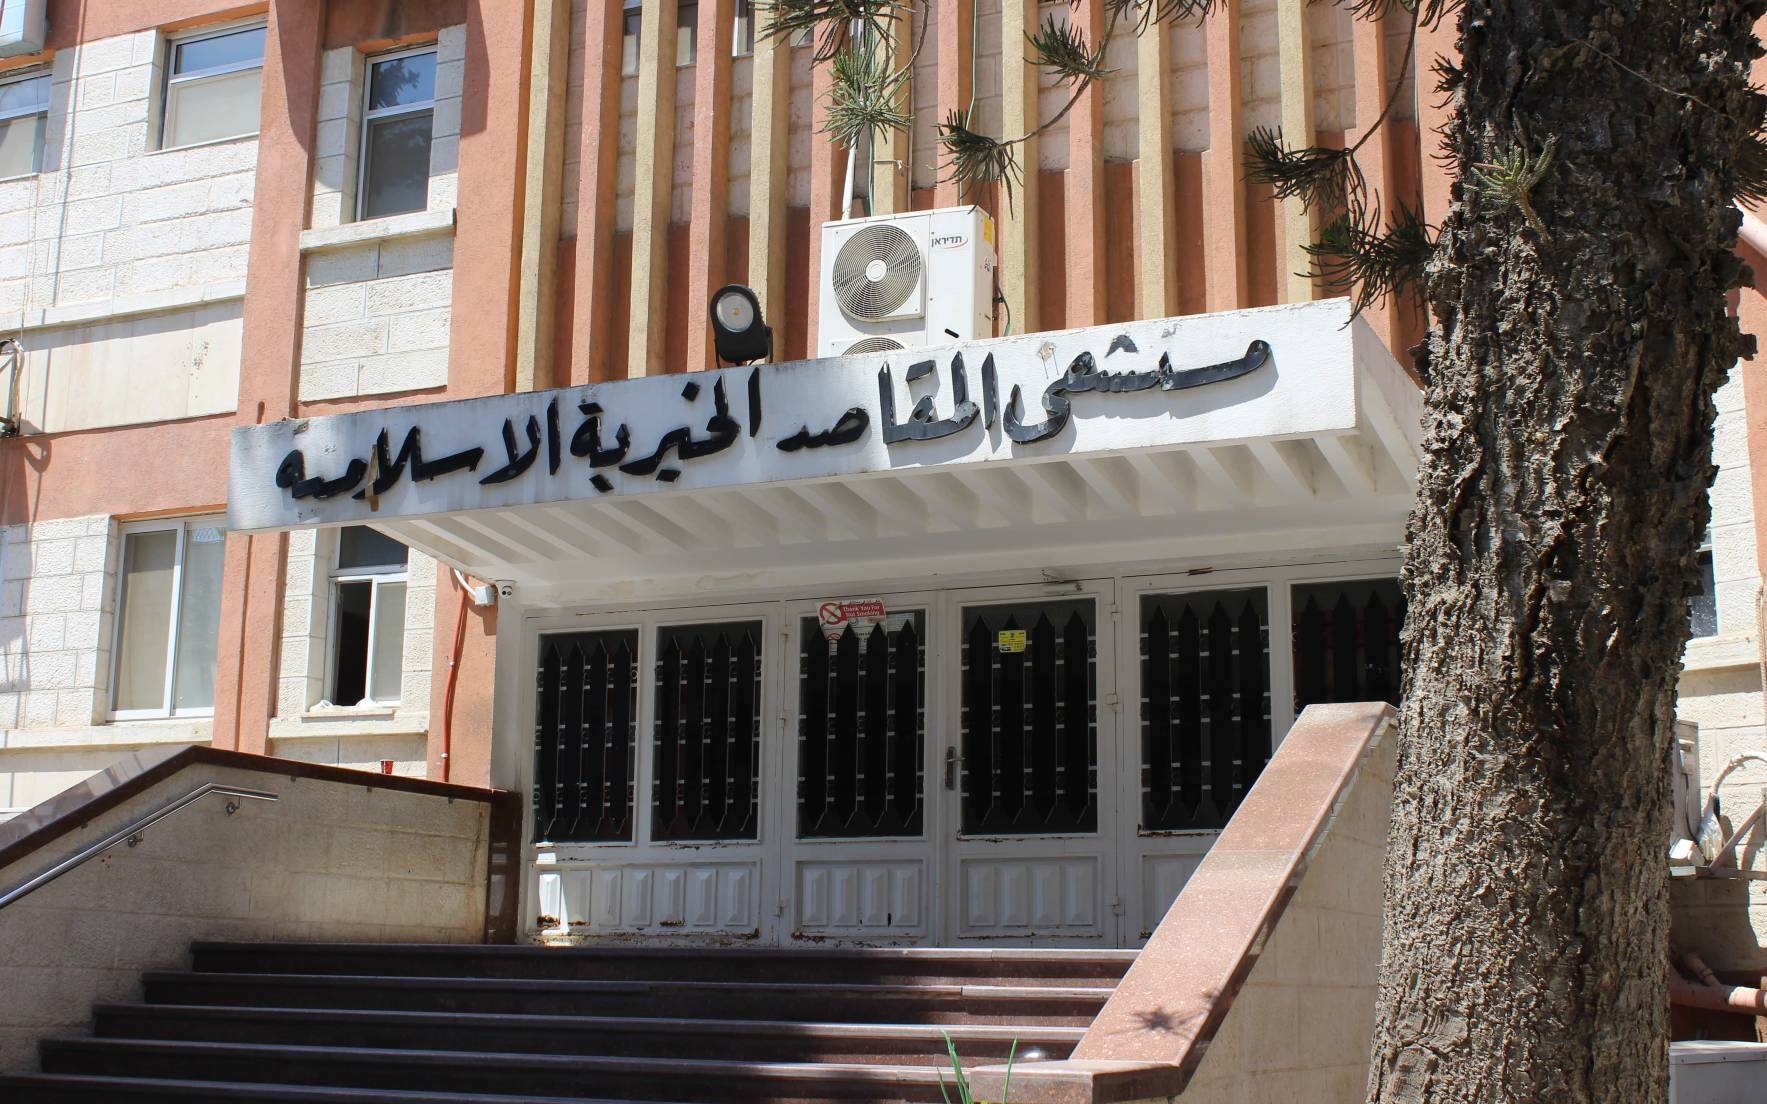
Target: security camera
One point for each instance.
(505, 588)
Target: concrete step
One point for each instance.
(880, 965)
(674, 1078)
(1044, 1005)
(765, 1040)
(49, 1088)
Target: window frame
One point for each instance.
(181, 526)
(374, 115)
(1705, 562)
(35, 72)
(377, 576)
(172, 78)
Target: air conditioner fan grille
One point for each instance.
(875, 272)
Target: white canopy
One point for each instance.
(1280, 427)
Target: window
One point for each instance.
(1704, 606)
(397, 121)
(368, 618)
(168, 616)
(24, 113)
(629, 24)
(212, 86)
(743, 40)
(686, 33)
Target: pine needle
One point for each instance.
(1357, 257)
(1324, 179)
(1060, 47)
(865, 98)
(973, 158)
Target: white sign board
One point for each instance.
(1270, 374)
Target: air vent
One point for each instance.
(875, 273)
(873, 345)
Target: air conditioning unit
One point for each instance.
(906, 281)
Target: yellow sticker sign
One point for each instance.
(1011, 640)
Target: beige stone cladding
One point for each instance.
(1300, 1028)
(327, 861)
(377, 311)
(57, 605)
(343, 736)
(122, 264)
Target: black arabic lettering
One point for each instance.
(922, 423)
(291, 475)
(754, 401)
(552, 441)
(721, 427)
(519, 462)
(849, 427)
(1257, 354)
(586, 441)
(389, 467)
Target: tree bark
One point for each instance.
(1552, 551)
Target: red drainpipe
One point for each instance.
(453, 679)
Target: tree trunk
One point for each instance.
(1552, 551)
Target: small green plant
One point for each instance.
(964, 1096)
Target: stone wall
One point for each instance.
(377, 312)
(57, 616)
(345, 736)
(327, 861)
(122, 263)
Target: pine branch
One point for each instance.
(864, 98)
(830, 22)
(1357, 257)
(975, 158)
(1323, 179)
(1059, 46)
(1751, 169)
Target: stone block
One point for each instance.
(409, 256)
(168, 201)
(332, 137)
(337, 65)
(81, 630)
(329, 381)
(57, 594)
(420, 330)
(46, 632)
(404, 372)
(40, 709)
(400, 294)
(341, 266)
(335, 100)
(94, 592)
(76, 708)
(53, 557)
(343, 340)
(334, 303)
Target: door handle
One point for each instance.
(951, 761)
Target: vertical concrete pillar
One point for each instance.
(269, 374)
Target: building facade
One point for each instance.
(230, 235)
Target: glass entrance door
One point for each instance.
(1029, 862)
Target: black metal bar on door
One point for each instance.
(1030, 719)
(706, 748)
(861, 726)
(1346, 641)
(1205, 705)
(585, 733)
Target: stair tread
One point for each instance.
(418, 981)
(256, 1090)
(621, 950)
(668, 1024)
(701, 1067)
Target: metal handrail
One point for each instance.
(131, 834)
